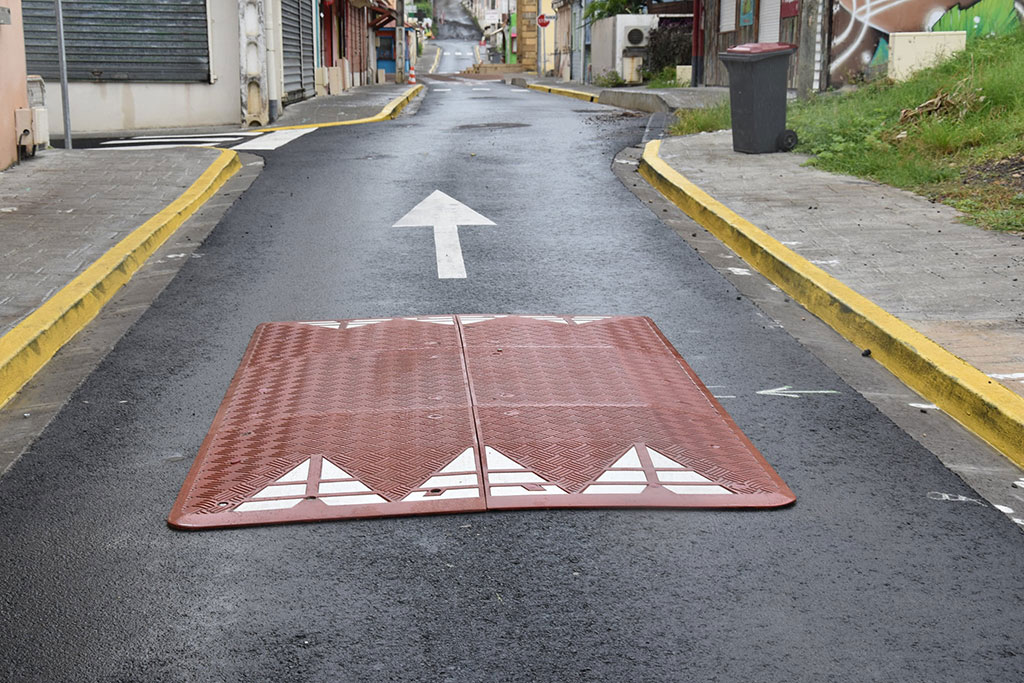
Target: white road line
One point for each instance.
(440, 90)
(175, 140)
(244, 133)
(483, 89)
(278, 138)
(458, 54)
(130, 148)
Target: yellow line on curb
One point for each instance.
(390, 111)
(437, 60)
(578, 94)
(27, 348)
(982, 405)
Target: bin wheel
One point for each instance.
(787, 140)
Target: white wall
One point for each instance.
(105, 107)
(13, 94)
(910, 52)
(602, 47)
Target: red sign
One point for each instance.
(789, 9)
(542, 20)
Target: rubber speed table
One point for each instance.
(378, 417)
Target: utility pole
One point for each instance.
(62, 58)
(400, 42)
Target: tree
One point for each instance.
(599, 9)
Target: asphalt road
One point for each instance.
(866, 577)
(456, 55)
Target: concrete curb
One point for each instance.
(390, 111)
(982, 405)
(651, 103)
(33, 342)
(578, 94)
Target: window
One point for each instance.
(727, 16)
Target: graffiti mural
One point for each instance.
(861, 28)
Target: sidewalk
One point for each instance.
(359, 103)
(64, 213)
(640, 98)
(958, 285)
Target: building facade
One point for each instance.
(138, 64)
(13, 92)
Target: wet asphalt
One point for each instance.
(865, 578)
(456, 56)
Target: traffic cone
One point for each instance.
(412, 73)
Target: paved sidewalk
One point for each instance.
(358, 103)
(638, 97)
(959, 285)
(62, 210)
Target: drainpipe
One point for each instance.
(273, 80)
(697, 73)
(581, 33)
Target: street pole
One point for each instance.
(542, 61)
(62, 58)
(400, 42)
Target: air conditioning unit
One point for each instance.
(633, 30)
(32, 129)
(636, 37)
(632, 40)
(41, 127)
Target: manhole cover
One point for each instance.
(378, 417)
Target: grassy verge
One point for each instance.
(953, 133)
(666, 78)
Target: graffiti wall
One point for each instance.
(861, 28)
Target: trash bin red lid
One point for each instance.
(760, 48)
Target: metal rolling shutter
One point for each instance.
(120, 40)
(291, 49)
(308, 47)
(297, 49)
(768, 21)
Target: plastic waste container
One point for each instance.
(757, 96)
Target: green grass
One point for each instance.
(690, 121)
(951, 155)
(666, 78)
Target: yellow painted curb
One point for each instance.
(437, 60)
(982, 405)
(578, 94)
(390, 111)
(27, 348)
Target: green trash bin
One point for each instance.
(757, 96)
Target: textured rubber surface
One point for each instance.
(369, 418)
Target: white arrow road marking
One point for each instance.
(445, 215)
(790, 392)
